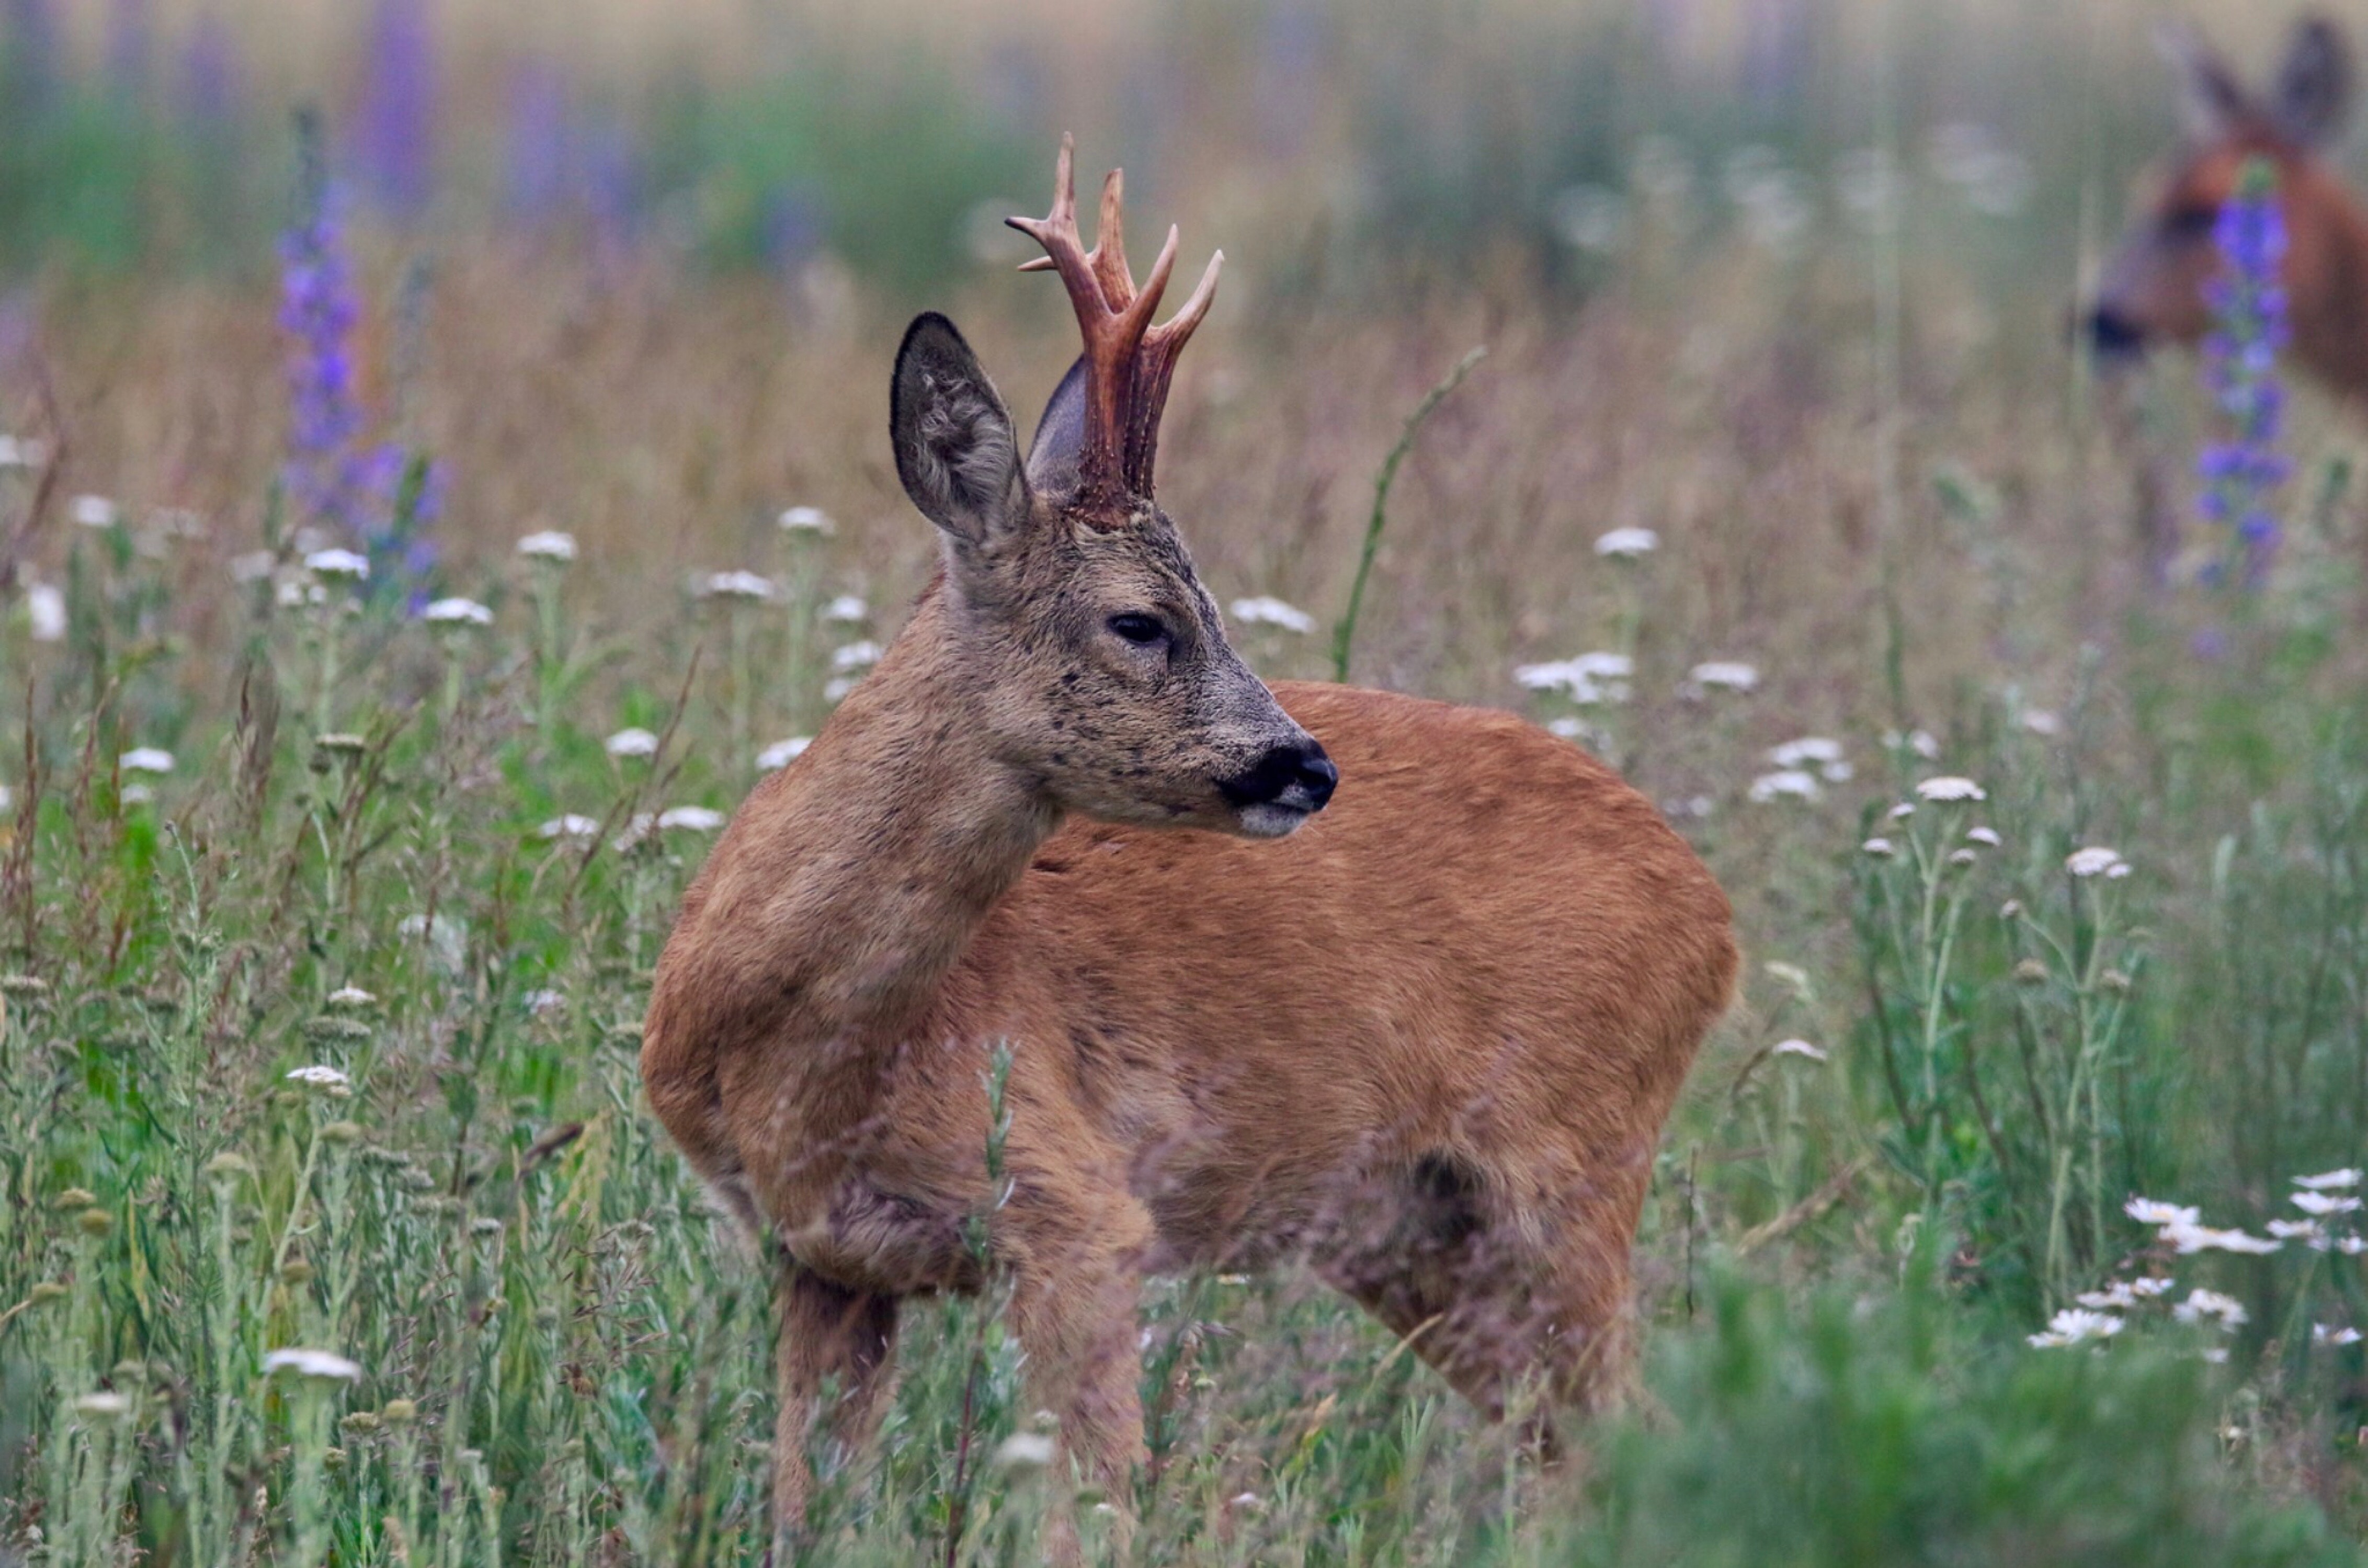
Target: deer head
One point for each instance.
(2153, 287)
(1090, 657)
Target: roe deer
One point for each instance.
(1425, 1035)
(2153, 287)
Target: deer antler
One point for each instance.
(1129, 362)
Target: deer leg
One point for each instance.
(834, 1343)
(1073, 1306)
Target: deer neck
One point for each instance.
(910, 832)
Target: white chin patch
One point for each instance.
(1271, 821)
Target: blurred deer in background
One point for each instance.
(1424, 1034)
(2153, 287)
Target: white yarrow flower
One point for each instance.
(319, 1075)
(103, 1405)
(45, 608)
(1920, 742)
(855, 656)
(2322, 1335)
(22, 451)
(1948, 786)
(548, 545)
(2347, 1177)
(634, 742)
(847, 610)
(2075, 1325)
(1627, 544)
(806, 520)
(94, 511)
(747, 585)
(2229, 1312)
(343, 563)
(2096, 861)
(145, 759)
(2207, 1238)
(1785, 784)
(2147, 1211)
(351, 996)
(1265, 609)
(1800, 1048)
(2323, 1204)
(780, 753)
(306, 1363)
(1986, 837)
(458, 612)
(1819, 749)
(1023, 1453)
(572, 825)
(2115, 1296)
(691, 819)
(1726, 675)
(1880, 847)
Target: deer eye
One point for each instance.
(1143, 630)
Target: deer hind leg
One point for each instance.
(834, 1343)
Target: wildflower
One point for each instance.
(836, 688)
(2040, 722)
(1986, 837)
(1023, 1454)
(2201, 1304)
(1881, 848)
(2319, 1204)
(2309, 1232)
(2075, 1325)
(631, 743)
(745, 585)
(319, 1076)
(856, 655)
(1920, 742)
(1792, 974)
(572, 825)
(137, 795)
(2322, 1335)
(8, 798)
(458, 612)
(2116, 1295)
(806, 520)
(2147, 1211)
(1724, 673)
(337, 563)
(94, 511)
(1800, 1048)
(341, 743)
(1825, 752)
(1267, 611)
(2347, 1177)
(2153, 1286)
(45, 608)
(548, 545)
(353, 997)
(2096, 861)
(1948, 786)
(847, 608)
(1627, 544)
(22, 451)
(1588, 680)
(780, 753)
(104, 1406)
(324, 1364)
(145, 759)
(1784, 784)
(2193, 1238)
(691, 819)
(2249, 310)
(2351, 1247)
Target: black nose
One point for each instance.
(1297, 775)
(2113, 333)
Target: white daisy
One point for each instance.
(1948, 786)
(343, 563)
(2147, 1211)
(458, 612)
(635, 742)
(2207, 1238)
(305, 1363)
(2347, 1177)
(2154, 1285)
(2322, 1335)
(548, 545)
(1627, 544)
(1267, 611)
(2321, 1204)
(2201, 1304)
(2075, 1325)
(145, 759)
(780, 753)
(2116, 1295)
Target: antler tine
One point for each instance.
(1109, 255)
(1156, 366)
(1172, 334)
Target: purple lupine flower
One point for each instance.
(335, 481)
(2249, 310)
(394, 136)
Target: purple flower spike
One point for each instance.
(2249, 327)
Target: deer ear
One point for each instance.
(2314, 86)
(955, 449)
(2213, 101)
(1060, 436)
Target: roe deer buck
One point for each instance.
(2153, 287)
(1427, 1040)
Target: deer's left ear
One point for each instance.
(2314, 86)
(2212, 101)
